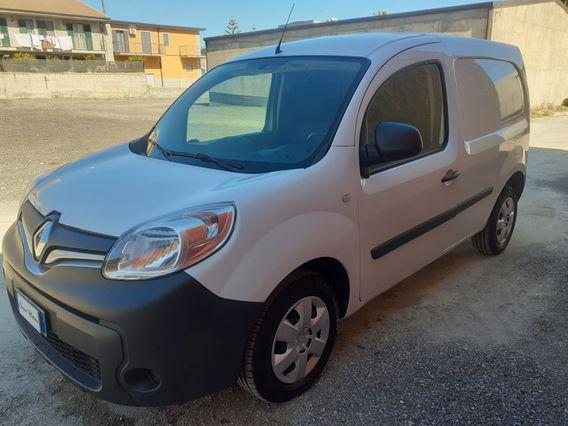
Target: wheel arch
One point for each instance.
(517, 182)
(337, 277)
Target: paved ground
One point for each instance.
(467, 340)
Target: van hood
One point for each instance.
(112, 191)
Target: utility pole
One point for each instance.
(104, 7)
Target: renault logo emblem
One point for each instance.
(40, 239)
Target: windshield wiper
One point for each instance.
(161, 148)
(227, 165)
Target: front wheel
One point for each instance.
(497, 233)
(292, 339)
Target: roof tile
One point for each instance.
(52, 7)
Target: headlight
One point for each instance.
(170, 243)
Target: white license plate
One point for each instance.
(31, 313)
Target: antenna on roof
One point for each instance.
(278, 49)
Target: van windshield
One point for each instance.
(259, 115)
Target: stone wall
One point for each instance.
(69, 85)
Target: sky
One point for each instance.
(214, 14)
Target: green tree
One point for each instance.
(232, 27)
(385, 12)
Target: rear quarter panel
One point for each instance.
(494, 149)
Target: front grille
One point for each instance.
(79, 359)
(70, 244)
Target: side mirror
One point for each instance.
(393, 142)
(397, 141)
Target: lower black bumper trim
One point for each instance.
(191, 340)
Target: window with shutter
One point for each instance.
(81, 35)
(45, 28)
(71, 33)
(146, 42)
(4, 36)
(120, 41)
(88, 36)
(26, 26)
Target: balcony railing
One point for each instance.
(127, 47)
(137, 48)
(50, 43)
(189, 51)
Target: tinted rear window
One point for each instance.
(491, 92)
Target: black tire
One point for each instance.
(258, 377)
(486, 241)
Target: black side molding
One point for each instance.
(430, 224)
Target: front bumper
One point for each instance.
(150, 343)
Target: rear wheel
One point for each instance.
(498, 231)
(292, 339)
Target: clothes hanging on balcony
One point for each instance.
(65, 42)
(45, 44)
(53, 41)
(23, 40)
(36, 42)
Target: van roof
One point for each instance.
(361, 45)
(364, 45)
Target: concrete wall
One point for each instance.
(456, 21)
(37, 85)
(540, 30)
(538, 27)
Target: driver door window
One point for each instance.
(412, 96)
(234, 107)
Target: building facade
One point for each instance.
(171, 55)
(538, 27)
(69, 29)
(42, 29)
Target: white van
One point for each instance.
(279, 194)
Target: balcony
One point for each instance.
(189, 51)
(129, 48)
(52, 44)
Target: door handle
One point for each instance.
(451, 175)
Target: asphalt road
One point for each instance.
(469, 339)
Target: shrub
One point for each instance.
(23, 55)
